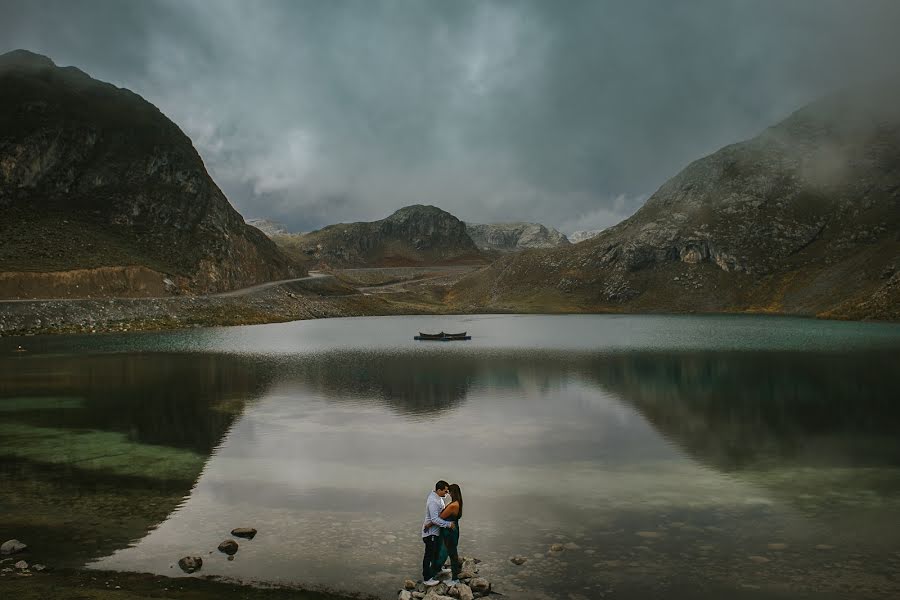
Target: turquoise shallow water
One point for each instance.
(669, 455)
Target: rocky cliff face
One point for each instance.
(412, 235)
(802, 219)
(93, 176)
(512, 237)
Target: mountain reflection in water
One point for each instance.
(96, 450)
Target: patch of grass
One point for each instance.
(92, 450)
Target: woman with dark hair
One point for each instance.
(450, 535)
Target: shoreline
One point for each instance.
(47, 317)
(336, 296)
(115, 585)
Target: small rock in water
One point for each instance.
(228, 547)
(404, 595)
(189, 564)
(12, 546)
(518, 560)
(759, 559)
(571, 546)
(21, 565)
(244, 532)
(409, 584)
(231, 557)
(38, 567)
(556, 547)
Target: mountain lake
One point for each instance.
(658, 456)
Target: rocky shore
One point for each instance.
(300, 300)
(470, 585)
(347, 293)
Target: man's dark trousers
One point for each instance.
(432, 549)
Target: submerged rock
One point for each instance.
(228, 547)
(518, 560)
(21, 565)
(12, 546)
(189, 564)
(244, 532)
(38, 567)
(409, 584)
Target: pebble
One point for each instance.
(759, 559)
(649, 534)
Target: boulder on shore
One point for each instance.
(12, 546)
(480, 585)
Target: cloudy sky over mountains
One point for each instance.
(567, 113)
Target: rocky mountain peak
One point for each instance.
(416, 234)
(268, 227)
(511, 237)
(583, 235)
(23, 59)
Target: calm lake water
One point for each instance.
(673, 457)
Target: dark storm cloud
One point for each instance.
(569, 113)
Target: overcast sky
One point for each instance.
(567, 113)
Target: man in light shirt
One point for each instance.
(434, 504)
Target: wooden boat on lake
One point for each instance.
(442, 337)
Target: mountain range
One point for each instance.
(101, 194)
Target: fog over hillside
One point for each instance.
(567, 114)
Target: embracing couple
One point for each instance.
(440, 532)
